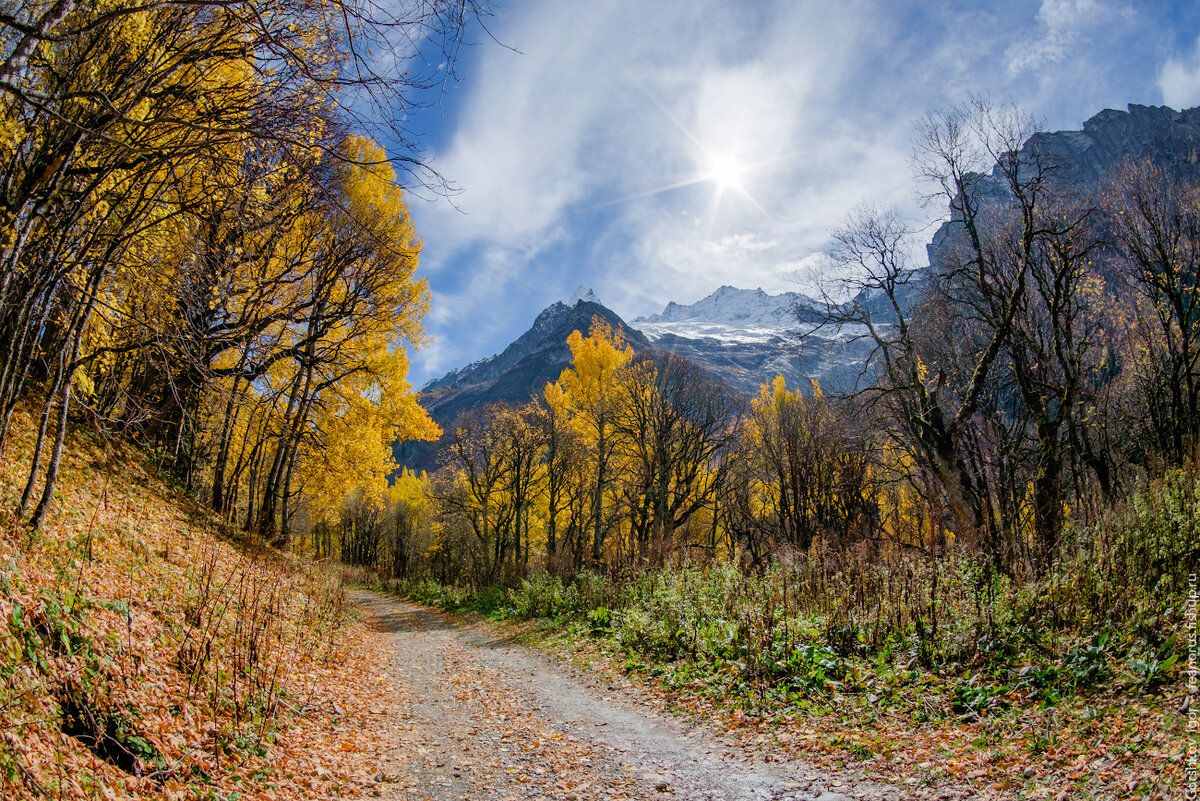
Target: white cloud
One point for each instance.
(1179, 79)
(738, 243)
(1060, 24)
(566, 152)
(514, 153)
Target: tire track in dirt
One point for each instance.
(491, 719)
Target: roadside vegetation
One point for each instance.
(1065, 687)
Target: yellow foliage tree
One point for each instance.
(586, 391)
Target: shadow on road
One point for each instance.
(490, 718)
(383, 616)
(406, 621)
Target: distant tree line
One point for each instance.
(627, 464)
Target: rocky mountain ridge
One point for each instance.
(748, 336)
(736, 307)
(1081, 160)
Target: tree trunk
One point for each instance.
(43, 507)
(598, 497)
(35, 459)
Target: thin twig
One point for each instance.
(158, 775)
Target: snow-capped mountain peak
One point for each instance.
(729, 313)
(584, 294)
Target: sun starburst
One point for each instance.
(723, 167)
(724, 170)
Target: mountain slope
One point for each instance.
(516, 374)
(747, 337)
(145, 655)
(742, 337)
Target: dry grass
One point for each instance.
(144, 655)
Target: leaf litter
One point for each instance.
(145, 655)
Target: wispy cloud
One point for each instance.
(1060, 24)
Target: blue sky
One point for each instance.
(657, 150)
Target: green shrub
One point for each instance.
(600, 620)
(1041, 683)
(1154, 669)
(813, 668)
(976, 697)
(545, 596)
(1089, 664)
(636, 629)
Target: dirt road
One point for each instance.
(490, 719)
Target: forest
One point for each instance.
(202, 255)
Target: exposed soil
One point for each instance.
(486, 718)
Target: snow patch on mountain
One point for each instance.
(730, 315)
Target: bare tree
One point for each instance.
(673, 421)
(1157, 221)
(1005, 309)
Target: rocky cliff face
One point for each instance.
(1169, 138)
(1082, 159)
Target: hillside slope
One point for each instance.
(518, 373)
(145, 656)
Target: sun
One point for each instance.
(724, 170)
